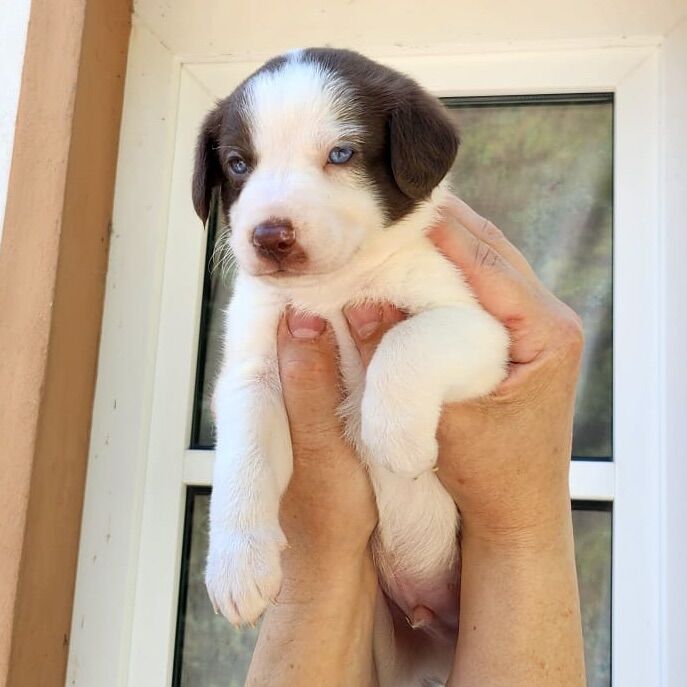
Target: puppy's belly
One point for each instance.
(437, 595)
(416, 548)
(416, 542)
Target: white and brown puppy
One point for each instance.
(330, 169)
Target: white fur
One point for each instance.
(449, 349)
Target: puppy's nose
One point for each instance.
(275, 238)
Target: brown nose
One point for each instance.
(275, 238)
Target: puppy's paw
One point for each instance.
(402, 442)
(243, 573)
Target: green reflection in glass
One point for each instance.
(543, 172)
(209, 651)
(217, 289)
(593, 531)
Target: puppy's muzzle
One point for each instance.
(274, 239)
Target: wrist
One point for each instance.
(519, 601)
(312, 575)
(522, 527)
(320, 629)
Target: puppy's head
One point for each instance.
(314, 153)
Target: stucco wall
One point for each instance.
(53, 258)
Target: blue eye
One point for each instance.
(238, 165)
(340, 156)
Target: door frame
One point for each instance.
(143, 462)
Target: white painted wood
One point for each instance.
(672, 335)
(592, 481)
(108, 555)
(155, 607)
(216, 29)
(198, 467)
(635, 379)
(589, 481)
(498, 73)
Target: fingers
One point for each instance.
(308, 364)
(368, 323)
(309, 375)
(503, 281)
(498, 285)
(489, 233)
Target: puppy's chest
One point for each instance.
(414, 279)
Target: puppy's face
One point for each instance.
(316, 152)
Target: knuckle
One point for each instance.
(485, 255)
(310, 436)
(492, 233)
(306, 373)
(571, 334)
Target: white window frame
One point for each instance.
(143, 567)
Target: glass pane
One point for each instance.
(211, 653)
(219, 277)
(593, 526)
(542, 170)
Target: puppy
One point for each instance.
(330, 168)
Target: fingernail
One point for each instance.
(364, 319)
(421, 617)
(304, 326)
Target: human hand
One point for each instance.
(329, 505)
(505, 461)
(320, 629)
(328, 511)
(505, 458)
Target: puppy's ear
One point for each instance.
(207, 172)
(423, 141)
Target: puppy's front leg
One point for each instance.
(253, 465)
(450, 353)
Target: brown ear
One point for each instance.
(424, 144)
(207, 173)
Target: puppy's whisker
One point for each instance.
(222, 260)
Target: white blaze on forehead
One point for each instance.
(298, 110)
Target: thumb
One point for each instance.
(309, 375)
(368, 322)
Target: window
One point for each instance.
(542, 169)
(141, 493)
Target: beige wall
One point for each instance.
(52, 266)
